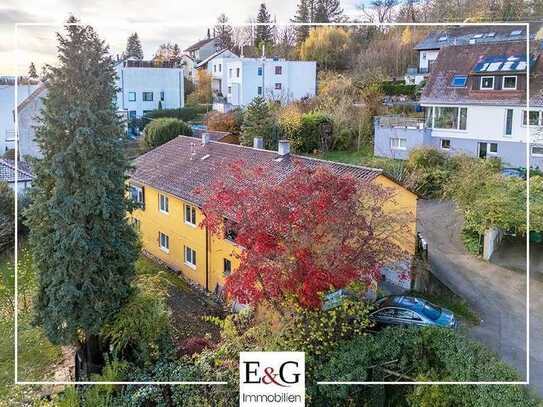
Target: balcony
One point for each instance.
(396, 121)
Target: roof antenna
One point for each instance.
(192, 150)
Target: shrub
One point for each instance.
(230, 122)
(429, 170)
(398, 89)
(162, 130)
(471, 241)
(312, 127)
(194, 344)
(185, 114)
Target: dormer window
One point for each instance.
(509, 82)
(459, 81)
(487, 82)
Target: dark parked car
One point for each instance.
(411, 311)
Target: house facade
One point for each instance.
(428, 49)
(164, 182)
(202, 49)
(7, 105)
(237, 81)
(145, 86)
(474, 103)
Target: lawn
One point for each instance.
(363, 157)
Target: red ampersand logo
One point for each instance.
(269, 377)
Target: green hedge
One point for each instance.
(186, 113)
(308, 138)
(160, 131)
(396, 89)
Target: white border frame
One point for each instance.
(528, 149)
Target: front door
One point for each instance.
(482, 150)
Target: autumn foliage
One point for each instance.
(304, 234)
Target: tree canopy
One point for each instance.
(133, 47)
(83, 248)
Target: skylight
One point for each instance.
(516, 32)
(459, 81)
(441, 39)
(478, 36)
(492, 34)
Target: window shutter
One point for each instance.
(143, 197)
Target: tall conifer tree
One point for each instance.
(133, 47)
(264, 33)
(83, 248)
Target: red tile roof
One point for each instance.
(184, 164)
(460, 60)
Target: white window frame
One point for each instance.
(488, 77)
(441, 143)
(488, 152)
(526, 114)
(459, 115)
(192, 210)
(399, 146)
(189, 261)
(509, 76)
(163, 204)
(130, 94)
(164, 248)
(505, 134)
(537, 154)
(139, 191)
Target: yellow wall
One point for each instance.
(404, 202)
(152, 221)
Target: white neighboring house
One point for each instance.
(202, 49)
(237, 81)
(144, 85)
(189, 67)
(28, 111)
(431, 45)
(7, 105)
(24, 175)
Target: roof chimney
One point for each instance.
(283, 148)
(205, 138)
(258, 142)
(208, 33)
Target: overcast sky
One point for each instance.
(156, 21)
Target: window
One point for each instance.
(131, 96)
(227, 267)
(162, 96)
(136, 193)
(214, 67)
(190, 215)
(278, 86)
(164, 242)
(428, 114)
(259, 90)
(487, 82)
(397, 143)
(508, 122)
(493, 148)
(163, 203)
(230, 232)
(259, 71)
(132, 114)
(220, 67)
(509, 82)
(463, 118)
(537, 151)
(459, 81)
(278, 70)
(445, 144)
(446, 118)
(534, 118)
(491, 35)
(190, 257)
(230, 72)
(147, 96)
(237, 72)
(230, 90)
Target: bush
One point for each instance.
(398, 89)
(230, 122)
(185, 114)
(429, 170)
(471, 241)
(162, 130)
(422, 354)
(312, 127)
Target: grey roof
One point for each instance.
(7, 171)
(470, 35)
(209, 58)
(183, 166)
(199, 44)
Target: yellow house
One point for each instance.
(165, 180)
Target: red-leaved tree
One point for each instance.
(303, 233)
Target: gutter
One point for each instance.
(207, 259)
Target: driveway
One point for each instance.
(496, 293)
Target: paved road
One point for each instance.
(497, 294)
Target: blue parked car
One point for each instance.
(411, 311)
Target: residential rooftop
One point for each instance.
(184, 165)
(469, 61)
(199, 44)
(471, 35)
(7, 171)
